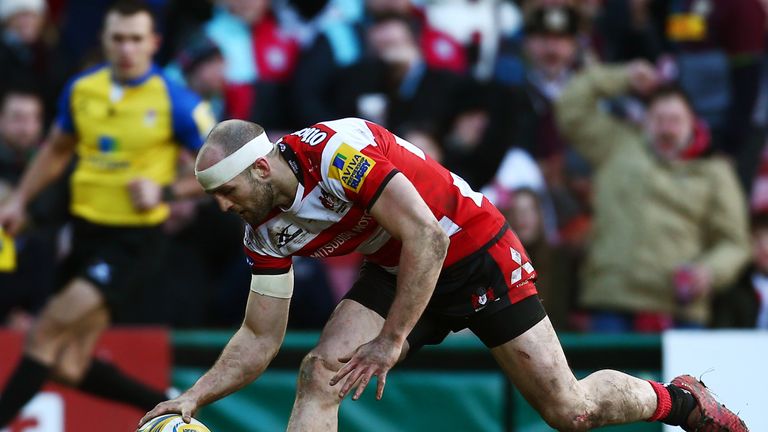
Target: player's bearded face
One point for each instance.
(260, 200)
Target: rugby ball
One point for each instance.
(172, 423)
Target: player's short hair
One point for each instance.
(230, 135)
(132, 7)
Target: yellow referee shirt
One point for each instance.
(127, 130)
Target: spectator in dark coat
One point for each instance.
(746, 304)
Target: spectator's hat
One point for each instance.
(196, 52)
(552, 20)
(9, 8)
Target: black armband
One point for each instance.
(168, 193)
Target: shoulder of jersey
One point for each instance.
(87, 72)
(177, 90)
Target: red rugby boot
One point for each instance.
(709, 414)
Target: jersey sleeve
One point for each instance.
(192, 118)
(358, 173)
(261, 264)
(64, 119)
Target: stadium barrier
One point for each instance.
(455, 386)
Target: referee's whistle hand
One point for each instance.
(145, 194)
(12, 215)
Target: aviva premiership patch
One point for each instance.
(350, 167)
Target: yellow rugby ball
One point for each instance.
(172, 423)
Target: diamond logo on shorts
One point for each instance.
(101, 272)
(517, 274)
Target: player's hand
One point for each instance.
(12, 215)
(145, 194)
(374, 358)
(184, 405)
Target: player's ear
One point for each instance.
(262, 168)
(157, 41)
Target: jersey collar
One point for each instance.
(293, 161)
(153, 69)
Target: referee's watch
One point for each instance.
(168, 194)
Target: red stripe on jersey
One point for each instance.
(265, 264)
(388, 255)
(344, 238)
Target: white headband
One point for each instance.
(232, 165)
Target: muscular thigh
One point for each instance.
(536, 364)
(72, 304)
(350, 326)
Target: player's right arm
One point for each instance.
(47, 165)
(248, 352)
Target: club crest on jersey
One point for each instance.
(351, 167)
(331, 202)
(150, 118)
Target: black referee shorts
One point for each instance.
(120, 261)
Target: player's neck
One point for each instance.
(124, 78)
(285, 183)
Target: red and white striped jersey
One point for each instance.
(342, 167)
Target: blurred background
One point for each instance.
(559, 111)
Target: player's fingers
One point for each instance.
(134, 193)
(343, 372)
(365, 378)
(381, 381)
(350, 382)
(156, 411)
(186, 415)
(144, 420)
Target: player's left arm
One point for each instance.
(404, 214)
(248, 352)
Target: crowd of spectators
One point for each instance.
(624, 140)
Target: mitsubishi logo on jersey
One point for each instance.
(329, 248)
(517, 274)
(284, 237)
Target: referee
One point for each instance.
(127, 124)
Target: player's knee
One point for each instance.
(315, 374)
(45, 334)
(570, 417)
